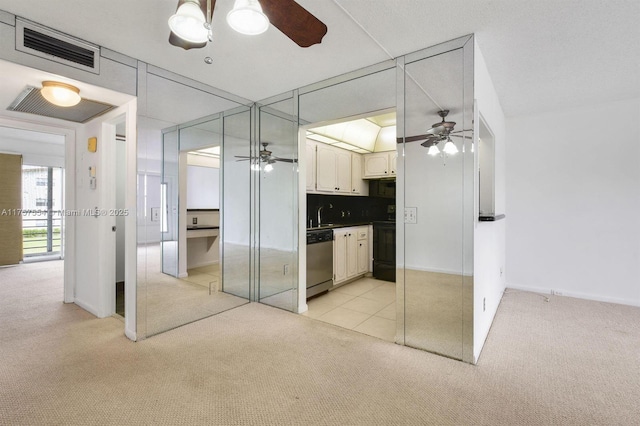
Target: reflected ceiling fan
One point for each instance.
(266, 157)
(441, 131)
(191, 24)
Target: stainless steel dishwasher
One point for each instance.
(319, 261)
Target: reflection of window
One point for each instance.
(164, 208)
(41, 202)
(41, 181)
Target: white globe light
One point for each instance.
(189, 22)
(246, 17)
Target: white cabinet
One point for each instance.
(311, 166)
(350, 253)
(343, 171)
(358, 186)
(339, 256)
(333, 170)
(380, 164)
(362, 250)
(325, 168)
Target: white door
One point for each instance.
(311, 166)
(339, 256)
(363, 257)
(376, 164)
(356, 173)
(326, 168)
(352, 254)
(343, 171)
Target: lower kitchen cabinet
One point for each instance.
(350, 253)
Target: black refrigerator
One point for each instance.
(384, 250)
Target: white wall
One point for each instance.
(489, 237)
(203, 187)
(95, 257)
(35, 153)
(574, 202)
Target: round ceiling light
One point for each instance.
(189, 23)
(60, 94)
(246, 17)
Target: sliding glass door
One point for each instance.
(42, 200)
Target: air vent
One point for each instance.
(46, 43)
(31, 101)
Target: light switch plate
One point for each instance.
(410, 215)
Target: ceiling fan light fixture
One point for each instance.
(268, 167)
(60, 94)
(450, 148)
(247, 17)
(189, 23)
(433, 150)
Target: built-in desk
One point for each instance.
(204, 231)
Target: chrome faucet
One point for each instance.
(320, 213)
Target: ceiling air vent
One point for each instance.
(31, 101)
(49, 44)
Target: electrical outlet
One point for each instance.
(484, 304)
(194, 221)
(285, 269)
(410, 215)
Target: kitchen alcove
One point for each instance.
(442, 304)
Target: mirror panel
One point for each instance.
(435, 264)
(236, 214)
(278, 209)
(175, 116)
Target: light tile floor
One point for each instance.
(366, 305)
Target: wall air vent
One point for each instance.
(31, 101)
(49, 44)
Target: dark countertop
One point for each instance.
(490, 217)
(338, 225)
(198, 227)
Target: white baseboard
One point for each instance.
(130, 334)
(201, 264)
(87, 307)
(577, 295)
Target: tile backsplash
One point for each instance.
(348, 209)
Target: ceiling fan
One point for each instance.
(266, 157)
(191, 24)
(440, 131)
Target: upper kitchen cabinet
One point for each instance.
(311, 165)
(358, 186)
(333, 170)
(380, 165)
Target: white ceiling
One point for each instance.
(542, 55)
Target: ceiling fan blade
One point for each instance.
(460, 136)
(294, 21)
(414, 138)
(244, 157)
(436, 130)
(286, 160)
(430, 141)
(186, 45)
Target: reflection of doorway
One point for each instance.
(120, 207)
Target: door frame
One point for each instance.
(108, 165)
(69, 240)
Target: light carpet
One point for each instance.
(563, 361)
